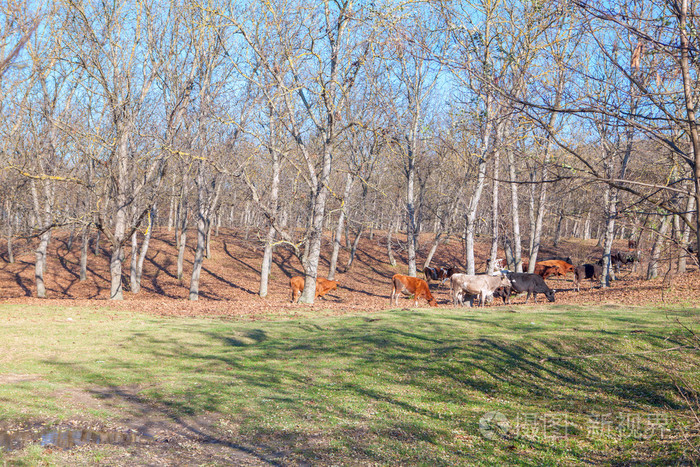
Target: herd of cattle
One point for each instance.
(482, 287)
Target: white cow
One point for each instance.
(481, 285)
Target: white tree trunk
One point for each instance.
(311, 259)
(84, 253)
(494, 211)
(40, 265)
(202, 225)
(685, 236)
(610, 200)
(653, 268)
(515, 214)
(339, 227)
(470, 226)
(266, 266)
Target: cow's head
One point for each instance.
(550, 295)
(505, 281)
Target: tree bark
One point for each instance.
(610, 200)
(84, 253)
(690, 105)
(433, 249)
(40, 266)
(389, 246)
(541, 209)
(515, 214)
(494, 210)
(349, 180)
(685, 236)
(653, 268)
(316, 231)
(137, 274)
(470, 225)
(353, 249)
(266, 266)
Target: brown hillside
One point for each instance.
(229, 281)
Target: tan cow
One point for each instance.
(480, 285)
(323, 286)
(410, 286)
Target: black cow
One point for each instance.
(431, 274)
(619, 258)
(586, 271)
(435, 274)
(504, 293)
(530, 283)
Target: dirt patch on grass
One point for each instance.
(14, 379)
(152, 435)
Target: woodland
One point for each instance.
(309, 126)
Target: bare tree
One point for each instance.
(122, 73)
(319, 75)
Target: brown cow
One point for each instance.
(323, 286)
(410, 286)
(542, 270)
(562, 266)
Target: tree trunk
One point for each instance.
(339, 227)
(181, 250)
(389, 246)
(610, 200)
(653, 268)
(202, 225)
(171, 211)
(96, 249)
(433, 249)
(494, 212)
(517, 239)
(557, 232)
(134, 262)
(353, 250)
(115, 270)
(136, 278)
(71, 237)
(266, 266)
(685, 236)
(10, 251)
(470, 225)
(411, 217)
(84, 253)
(587, 227)
(207, 250)
(531, 216)
(40, 265)
(690, 106)
(313, 252)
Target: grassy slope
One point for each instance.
(399, 386)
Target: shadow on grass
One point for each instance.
(319, 391)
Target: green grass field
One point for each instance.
(567, 385)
